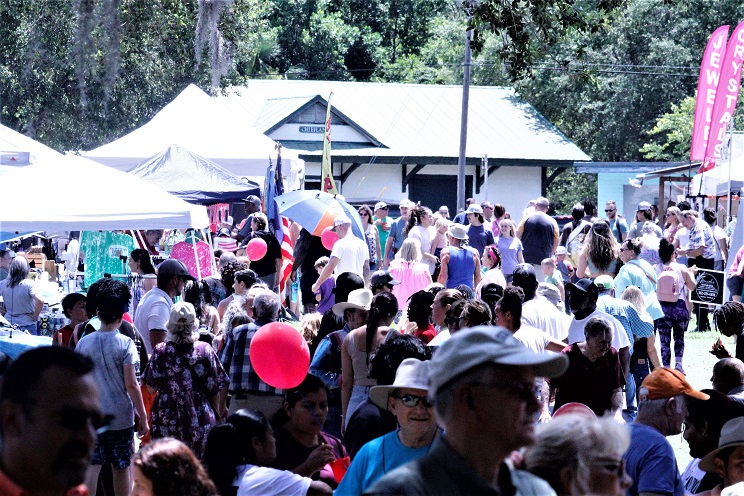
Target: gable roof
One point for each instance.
(418, 123)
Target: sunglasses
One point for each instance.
(524, 392)
(412, 401)
(608, 210)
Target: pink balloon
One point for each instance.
(328, 238)
(280, 355)
(256, 249)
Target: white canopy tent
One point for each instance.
(63, 192)
(715, 182)
(203, 125)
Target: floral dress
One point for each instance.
(182, 407)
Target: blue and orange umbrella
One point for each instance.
(315, 210)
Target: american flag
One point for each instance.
(287, 259)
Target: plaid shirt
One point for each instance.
(626, 313)
(236, 359)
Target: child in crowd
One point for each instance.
(73, 306)
(309, 325)
(564, 266)
(325, 295)
(548, 269)
(116, 363)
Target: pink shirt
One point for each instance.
(413, 276)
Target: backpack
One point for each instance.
(668, 287)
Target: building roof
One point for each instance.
(414, 123)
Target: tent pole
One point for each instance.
(730, 152)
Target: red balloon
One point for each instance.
(280, 355)
(256, 249)
(328, 238)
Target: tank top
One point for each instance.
(359, 364)
(460, 268)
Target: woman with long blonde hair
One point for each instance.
(600, 253)
(673, 223)
(510, 248)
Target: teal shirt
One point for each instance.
(377, 458)
(383, 234)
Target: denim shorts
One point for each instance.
(114, 447)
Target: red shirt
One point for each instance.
(427, 334)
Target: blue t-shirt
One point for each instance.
(509, 249)
(479, 237)
(111, 351)
(377, 458)
(650, 462)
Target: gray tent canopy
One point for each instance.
(193, 178)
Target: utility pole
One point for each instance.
(464, 116)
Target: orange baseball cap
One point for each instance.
(666, 383)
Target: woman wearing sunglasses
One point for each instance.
(417, 429)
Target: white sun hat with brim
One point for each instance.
(412, 373)
(485, 345)
(458, 231)
(359, 299)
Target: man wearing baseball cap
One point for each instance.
(644, 216)
(382, 221)
(349, 254)
(252, 205)
(662, 409)
(482, 383)
(153, 310)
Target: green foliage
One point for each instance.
(570, 188)
(676, 129)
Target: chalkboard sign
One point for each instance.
(710, 286)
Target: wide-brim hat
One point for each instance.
(359, 299)
(458, 231)
(732, 435)
(412, 373)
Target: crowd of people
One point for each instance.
(484, 355)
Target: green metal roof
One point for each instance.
(418, 123)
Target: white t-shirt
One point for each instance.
(153, 312)
(533, 338)
(682, 236)
(424, 235)
(718, 234)
(541, 314)
(351, 253)
(619, 336)
(253, 480)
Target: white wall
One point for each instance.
(512, 187)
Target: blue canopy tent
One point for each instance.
(193, 178)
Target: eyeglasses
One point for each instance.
(524, 392)
(363, 214)
(412, 401)
(615, 467)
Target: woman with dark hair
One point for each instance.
(419, 316)
(443, 302)
(421, 227)
(237, 456)
(491, 262)
(475, 313)
(22, 304)
(143, 272)
(190, 381)
(167, 466)
(301, 445)
(371, 236)
(673, 281)
(357, 348)
(600, 252)
(198, 294)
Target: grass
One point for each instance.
(698, 363)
